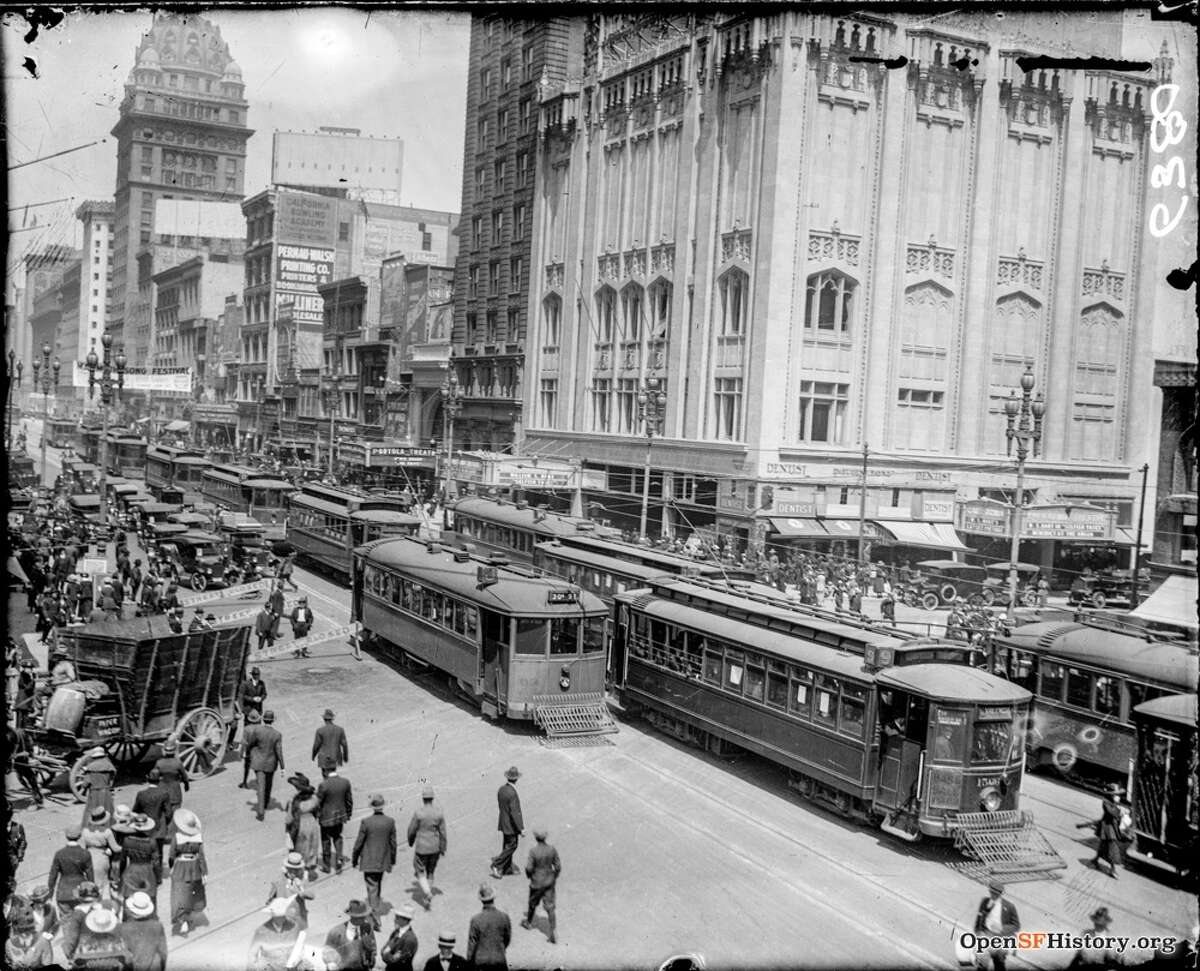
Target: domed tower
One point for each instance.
(181, 134)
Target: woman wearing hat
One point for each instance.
(273, 942)
(141, 863)
(290, 887)
(189, 870)
(143, 934)
(100, 945)
(302, 825)
(99, 841)
(98, 773)
(25, 947)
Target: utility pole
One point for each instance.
(1135, 597)
(862, 506)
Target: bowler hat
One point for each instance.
(253, 716)
(447, 939)
(268, 716)
(996, 887)
(513, 774)
(140, 904)
(357, 910)
(376, 799)
(328, 716)
(486, 893)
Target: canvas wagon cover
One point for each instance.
(159, 675)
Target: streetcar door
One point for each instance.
(494, 640)
(616, 651)
(903, 722)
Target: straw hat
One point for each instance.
(294, 861)
(406, 912)
(141, 823)
(99, 817)
(447, 939)
(186, 821)
(101, 921)
(140, 904)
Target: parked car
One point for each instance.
(196, 558)
(941, 581)
(995, 587)
(1106, 587)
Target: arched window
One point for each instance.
(606, 313)
(830, 302)
(735, 299)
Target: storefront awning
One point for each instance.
(177, 426)
(1172, 603)
(800, 528)
(938, 536)
(849, 529)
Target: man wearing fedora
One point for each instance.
(401, 947)
(264, 627)
(354, 938)
(266, 758)
(446, 959)
(253, 723)
(330, 742)
(374, 851)
(302, 621)
(542, 869)
(172, 773)
(510, 824)
(335, 805)
(143, 934)
(254, 693)
(154, 802)
(427, 837)
(71, 866)
(489, 934)
(996, 918)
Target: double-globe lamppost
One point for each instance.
(1024, 417)
(452, 405)
(111, 381)
(329, 397)
(45, 384)
(15, 370)
(652, 411)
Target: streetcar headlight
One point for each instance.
(989, 799)
(564, 682)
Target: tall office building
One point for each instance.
(181, 135)
(511, 62)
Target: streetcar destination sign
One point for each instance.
(561, 597)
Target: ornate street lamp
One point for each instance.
(452, 405)
(1024, 416)
(329, 396)
(15, 369)
(652, 410)
(111, 381)
(43, 368)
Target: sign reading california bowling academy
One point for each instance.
(1066, 522)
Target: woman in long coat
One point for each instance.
(302, 825)
(99, 773)
(188, 871)
(99, 841)
(141, 865)
(1108, 828)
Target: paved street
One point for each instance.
(664, 848)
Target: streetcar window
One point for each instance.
(1139, 692)
(801, 703)
(755, 683)
(564, 635)
(1079, 688)
(777, 689)
(694, 655)
(1052, 681)
(530, 636)
(593, 635)
(1108, 695)
(992, 741)
(951, 735)
(472, 622)
(735, 669)
(1022, 669)
(712, 663)
(853, 714)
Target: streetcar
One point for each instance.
(604, 572)
(1166, 803)
(1087, 679)
(644, 555)
(61, 432)
(239, 488)
(511, 528)
(126, 455)
(81, 476)
(515, 642)
(325, 523)
(903, 732)
(171, 466)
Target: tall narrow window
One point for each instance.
(627, 392)
(606, 314)
(727, 409)
(735, 292)
(601, 405)
(552, 321)
(549, 401)
(660, 310)
(631, 306)
(830, 303)
(823, 411)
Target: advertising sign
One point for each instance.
(984, 517)
(298, 272)
(306, 220)
(177, 380)
(1067, 522)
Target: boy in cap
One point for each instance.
(71, 866)
(427, 837)
(489, 934)
(401, 946)
(542, 869)
(510, 824)
(446, 959)
(997, 918)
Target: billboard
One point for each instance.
(336, 160)
(299, 270)
(194, 217)
(305, 219)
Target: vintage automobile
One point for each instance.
(196, 558)
(944, 580)
(995, 587)
(249, 552)
(1101, 589)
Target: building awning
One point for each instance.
(177, 426)
(849, 528)
(800, 528)
(1173, 603)
(938, 536)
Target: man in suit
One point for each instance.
(264, 627)
(265, 748)
(354, 939)
(997, 918)
(174, 776)
(542, 869)
(154, 802)
(253, 723)
(427, 837)
(446, 959)
(375, 851)
(511, 824)
(335, 805)
(276, 602)
(489, 935)
(401, 947)
(254, 693)
(71, 866)
(330, 741)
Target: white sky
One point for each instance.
(402, 74)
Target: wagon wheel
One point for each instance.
(199, 581)
(78, 778)
(202, 737)
(126, 751)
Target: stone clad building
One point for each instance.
(815, 254)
